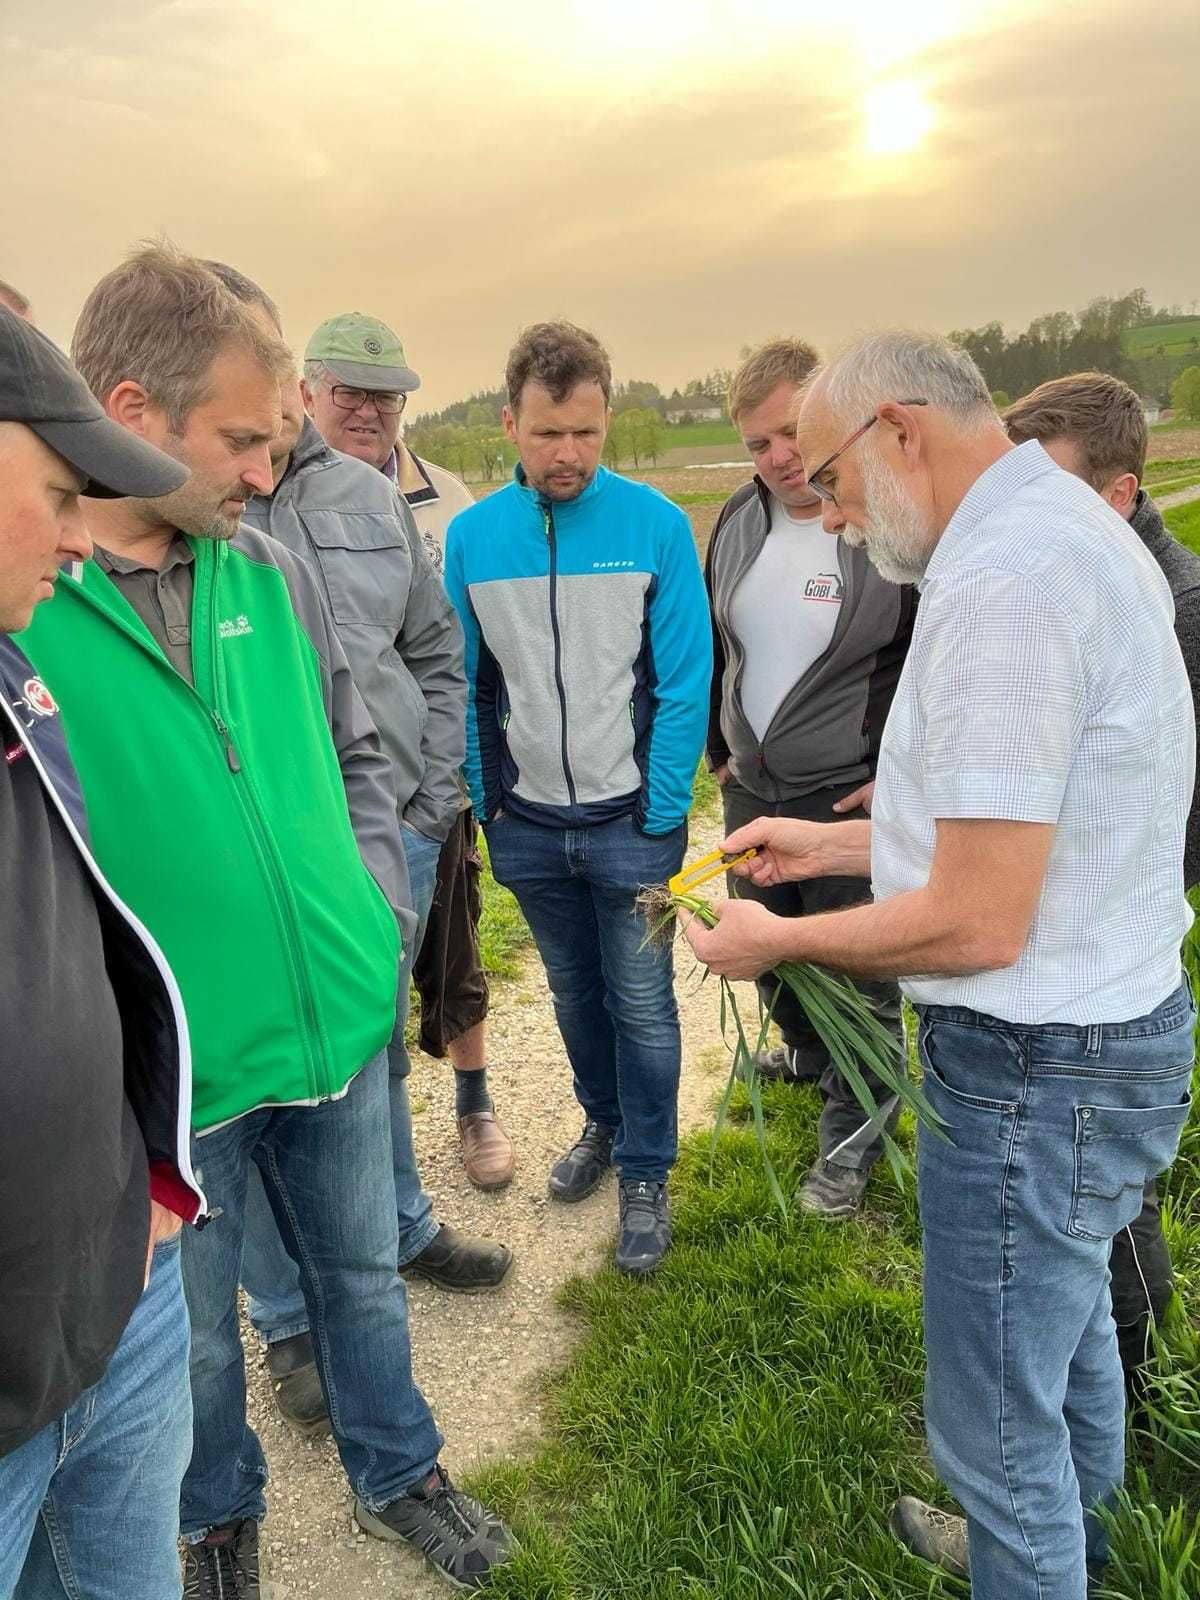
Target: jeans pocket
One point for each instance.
(1117, 1148)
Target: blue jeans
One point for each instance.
(270, 1277)
(613, 995)
(1055, 1131)
(326, 1171)
(90, 1505)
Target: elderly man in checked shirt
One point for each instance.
(1025, 853)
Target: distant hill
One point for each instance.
(1178, 337)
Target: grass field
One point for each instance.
(1184, 523)
(691, 435)
(1176, 338)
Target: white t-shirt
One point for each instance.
(784, 611)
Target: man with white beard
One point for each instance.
(1025, 850)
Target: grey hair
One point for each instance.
(246, 290)
(314, 371)
(899, 364)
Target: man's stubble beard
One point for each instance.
(896, 532)
(191, 511)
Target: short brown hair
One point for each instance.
(247, 291)
(160, 319)
(763, 370)
(558, 355)
(1100, 414)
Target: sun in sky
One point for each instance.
(897, 117)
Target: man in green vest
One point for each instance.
(241, 804)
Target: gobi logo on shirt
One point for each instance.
(825, 586)
(235, 627)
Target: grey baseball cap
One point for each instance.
(364, 352)
(40, 387)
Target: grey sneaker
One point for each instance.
(581, 1171)
(645, 1231)
(831, 1191)
(462, 1541)
(935, 1536)
(783, 1065)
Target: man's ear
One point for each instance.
(1121, 492)
(509, 419)
(306, 395)
(904, 422)
(130, 405)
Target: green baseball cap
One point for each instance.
(363, 351)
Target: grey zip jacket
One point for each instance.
(828, 726)
(400, 632)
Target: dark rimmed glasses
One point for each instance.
(347, 399)
(822, 490)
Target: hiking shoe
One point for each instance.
(575, 1175)
(831, 1191)
(464, 1266)
(645, 1232)
(224, 1565)
(783, 1065)
(456, 1534)
(936, 1536)
(297, 1388)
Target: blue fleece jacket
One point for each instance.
(588, 653)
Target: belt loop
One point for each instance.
(1095, 1038)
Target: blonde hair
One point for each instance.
(761, 373)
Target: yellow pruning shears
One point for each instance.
(709, 866)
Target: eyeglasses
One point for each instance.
(347, 399)
(822, 490)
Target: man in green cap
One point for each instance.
(356, 382)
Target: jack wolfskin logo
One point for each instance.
(825, 586)
(235, 627)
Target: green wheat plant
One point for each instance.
(841, 1015)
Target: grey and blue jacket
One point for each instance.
(827, 729)
(588, 654)
(389, 608)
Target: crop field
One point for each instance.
(1166, 338)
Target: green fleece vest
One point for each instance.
(219, 815)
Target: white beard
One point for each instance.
(895, 531)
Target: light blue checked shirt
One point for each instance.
(1045, 684)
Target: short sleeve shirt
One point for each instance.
(1045, 684)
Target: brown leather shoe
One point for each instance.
(487, 1150)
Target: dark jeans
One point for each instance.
(327, 1172)
(1053, 1134)
(846, 1137)
(613, 995)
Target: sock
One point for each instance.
(471, 1092)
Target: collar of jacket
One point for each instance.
(310, 449)
(540, 503)
(1147, 521)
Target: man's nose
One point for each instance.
(832, 517)
(568, 450)
(784, 455)
(75, 539)
(368, 406)
(258, 474)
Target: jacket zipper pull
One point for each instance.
(230, 753)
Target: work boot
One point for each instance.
(224, 1565)
(784, 1065)
(581, 1171)
(298, 1393)
(464, 1266)
(936, 1536)
(488, 1157)
(645, 1230)
(465, 1542)
(832, 1192)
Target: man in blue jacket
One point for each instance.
(588, 656)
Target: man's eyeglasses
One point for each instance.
(822, 490)
(347, 399)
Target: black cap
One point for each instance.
(40, 387)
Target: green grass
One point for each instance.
(503, 931)
(1176, 425)
(1175, 338)
(701, 497)
(1184, 523)
(689, 435)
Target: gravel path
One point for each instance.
(1181, 497)
(479, 1359)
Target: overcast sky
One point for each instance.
(683, 176)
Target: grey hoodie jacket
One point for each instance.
(827, 729)
(400, 632)
(1182, 571)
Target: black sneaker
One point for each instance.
(464, 1266)
(453, 1532)
(224, 1565)
(645, 1232)
(581, 1171)
(784, 1065)
(936, 1536)
(833, 1192)
(298, 1393)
